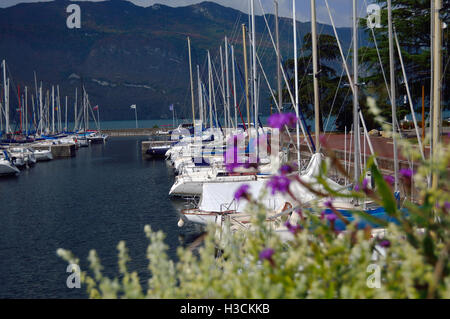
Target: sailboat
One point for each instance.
(7, 166)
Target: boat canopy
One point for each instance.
(219, 197)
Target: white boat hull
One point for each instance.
(43, 155)
(6, 168)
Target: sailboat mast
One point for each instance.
(210, 90)
(41, 111)
(192, 82)
(437, 85)
(65, 120)
(227, 80)
(200, 96)
(234, 86)
(294, 22)
(277, 35)
(393, 96)
(357, 135)
(53, 109)
(255, 84)
(223, 88)
(75, 127)
(315, 75)
(6, 95)
(246, 76)
(59, 108)
(26, 111)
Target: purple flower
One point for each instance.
(290, 119)
(294, 229)
(447, 205)
(385, 243)
(282, 119)
(279, 184)
(286, 169)
(322, 215)
(389, 179)
(275, 121)
(365, 183)
(331, 217)
(406, 173)
(241, 192)
(266, 254)
(329, 203)
(357, 188)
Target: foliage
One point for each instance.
(411, 20)
(320, 260)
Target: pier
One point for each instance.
(59, 150)
(132, 132)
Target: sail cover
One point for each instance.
(219, 197)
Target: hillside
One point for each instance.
(126, 54)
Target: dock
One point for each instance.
(132, 132)
(59, 150)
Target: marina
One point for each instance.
(100, 196)
(285, 172)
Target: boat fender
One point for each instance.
(181, 223)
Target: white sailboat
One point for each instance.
(7, 167)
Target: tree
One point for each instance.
(411, 20)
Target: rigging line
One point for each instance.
(344, 62)
(275, 100)
(419, 140)
(338, 87)
(288, 86)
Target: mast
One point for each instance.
(65, 120)
(315, 74)
(294, 22)
(6, 94)
(75, 127)
(223, 89)
(255, 84)
(26, 110)
(277, 35)
(227, 79)
(200, 96)
(234, 86)
(246, 76)
(393, 97)
(210, 91)
(59, 108)
(437, 73)
(192, 82)
(20, 108)
(357, 137)
(40, 109)
(53, 109)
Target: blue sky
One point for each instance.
(341, 9)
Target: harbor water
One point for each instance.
(105, 194)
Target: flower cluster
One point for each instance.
(279, 184)
(279, 120)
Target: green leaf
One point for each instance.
(383, 189)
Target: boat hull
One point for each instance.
(43, 156)
(7, 169)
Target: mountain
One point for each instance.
(126, 54)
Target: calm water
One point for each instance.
(105, 194)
